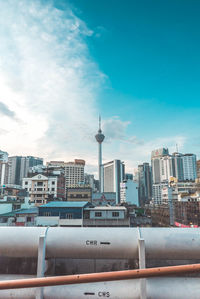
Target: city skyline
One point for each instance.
(62, 67)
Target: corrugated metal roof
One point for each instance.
(20, 211)
(9, 214)
(65, 204)
(110, 208)
(28, 211)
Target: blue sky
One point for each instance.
(135, 62)
(150, 52)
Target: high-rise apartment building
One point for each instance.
(156, 156)
(113, 175)
(181, 166)
(3, 156)
(178, 166)
(189, 167)
(74, 171)
(19, 166)
(3, 168)
(158, 169)
(167, 169)
(144, 183)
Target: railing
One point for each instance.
(98, 277)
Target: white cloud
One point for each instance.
(116, 129)
(49, 87)
(47, 80)
(140, 153)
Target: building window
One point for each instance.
(53, 183)
(28, 219)
(115, 214)
(47, 213)
(52, 189)
(39, 189)
(98, 214)
(40, 183)
(26, 183)
(69, 216)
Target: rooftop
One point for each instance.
(111, 208)
(65, 204)
(20, 211)
(28, 211)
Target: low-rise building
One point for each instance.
(104, 198)
(106, 216)
(61, 213)
(26, 217)
(79, 193)
(43, 188)
(13, 198)
(21, 217)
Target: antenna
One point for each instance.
(176, 147)
(99, 122)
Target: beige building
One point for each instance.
(40, 188)
(74, 171)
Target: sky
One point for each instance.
(136, 63)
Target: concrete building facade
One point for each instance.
(43, 188)
(106, 217)
(113, 175)
(73, 171)
(189, 167)
(79, 193)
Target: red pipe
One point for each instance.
(97, 277)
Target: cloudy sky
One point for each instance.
(62, 63)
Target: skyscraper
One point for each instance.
(189, 167)
(3, 168)
(100, 138)
(3, 156)
(157, 169)
(19, 166)
(144, 183)
(178, 166)
(156, 156)
(113, 175)
(74, 171)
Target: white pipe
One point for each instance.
(101, 243)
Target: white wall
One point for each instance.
(129, 192)
(107, 214)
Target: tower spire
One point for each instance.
(99, 123)
(100, 138)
